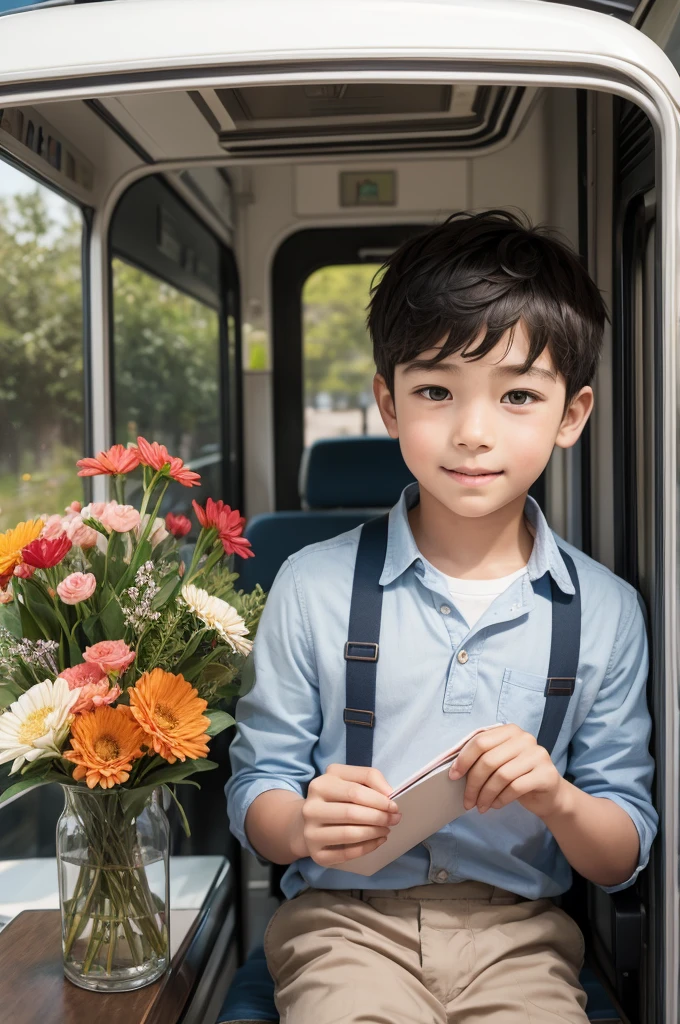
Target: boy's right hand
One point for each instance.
(347, 812)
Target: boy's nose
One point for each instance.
(473, 433)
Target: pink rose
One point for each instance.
(24, 571)
(94, 510)
(121, 518)
(94, 695)
(110, 655)
(6, 596)
(80, 675)
(79, 534)
(93, 686)
(73, 509)
(158, 531)
(77, 587)
(53, 528)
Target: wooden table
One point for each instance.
(33, 989)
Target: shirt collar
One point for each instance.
(402, 550)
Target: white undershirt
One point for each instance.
(473, 597)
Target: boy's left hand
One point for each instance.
(505, 764)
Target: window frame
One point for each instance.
(227, 294)
(295, 260)
(87, 214)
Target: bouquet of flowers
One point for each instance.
(118, 664)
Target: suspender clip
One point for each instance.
(368, 718)
(566, 690)
(366, 647)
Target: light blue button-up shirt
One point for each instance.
(290, 726)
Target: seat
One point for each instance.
(343, 482)
(251, 995)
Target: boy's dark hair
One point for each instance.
(485, 272)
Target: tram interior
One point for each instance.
(259, 189)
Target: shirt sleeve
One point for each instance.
(610, 751)
(278, 721)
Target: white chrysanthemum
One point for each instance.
(37, 724)
(218, 615)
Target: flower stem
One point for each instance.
(148, 491)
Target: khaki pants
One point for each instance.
(457, 953)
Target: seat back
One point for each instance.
(343, 483)
(353, 472)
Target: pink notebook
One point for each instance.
(428, 800)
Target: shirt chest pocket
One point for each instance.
(522, 700)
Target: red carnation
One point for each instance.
(178, 526)
(44, 553)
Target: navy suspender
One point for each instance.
(363, 647)
(565, 644)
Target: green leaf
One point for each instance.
(9, 692)
(116, 566)
(10, 618)
(21, 787)
(166, 591)
(176, 772)
(111, 616)
(189, 650)
(29, 627)
(97, 564)
(92, 629)
(183, 817)
(219, 721)
(247, 676)
(42, 611)
(192, 668)
(141, 555)
(75, 654)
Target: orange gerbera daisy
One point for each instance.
(13, 541)
(170, 712)
(104, 743)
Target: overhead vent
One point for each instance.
(357, 117)
(297, 102)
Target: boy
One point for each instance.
(486, 337)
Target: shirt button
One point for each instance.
(462, 657)
(441, 876)
(445, 610)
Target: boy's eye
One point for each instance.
(434, 393)
(519, 398)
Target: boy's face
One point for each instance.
(476, 434)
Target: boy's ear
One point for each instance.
(575, 418)
(385, 403)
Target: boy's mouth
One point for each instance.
(472, 477)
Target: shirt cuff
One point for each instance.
(239, 808)
(645, 842)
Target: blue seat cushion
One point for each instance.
(251, 995)
(276, 535)
(353, 472)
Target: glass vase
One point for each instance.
(112, 858)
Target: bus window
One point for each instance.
(337, 355)
(167, 378)
(41, 349)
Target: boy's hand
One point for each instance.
(506, 764)
(347, 813)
